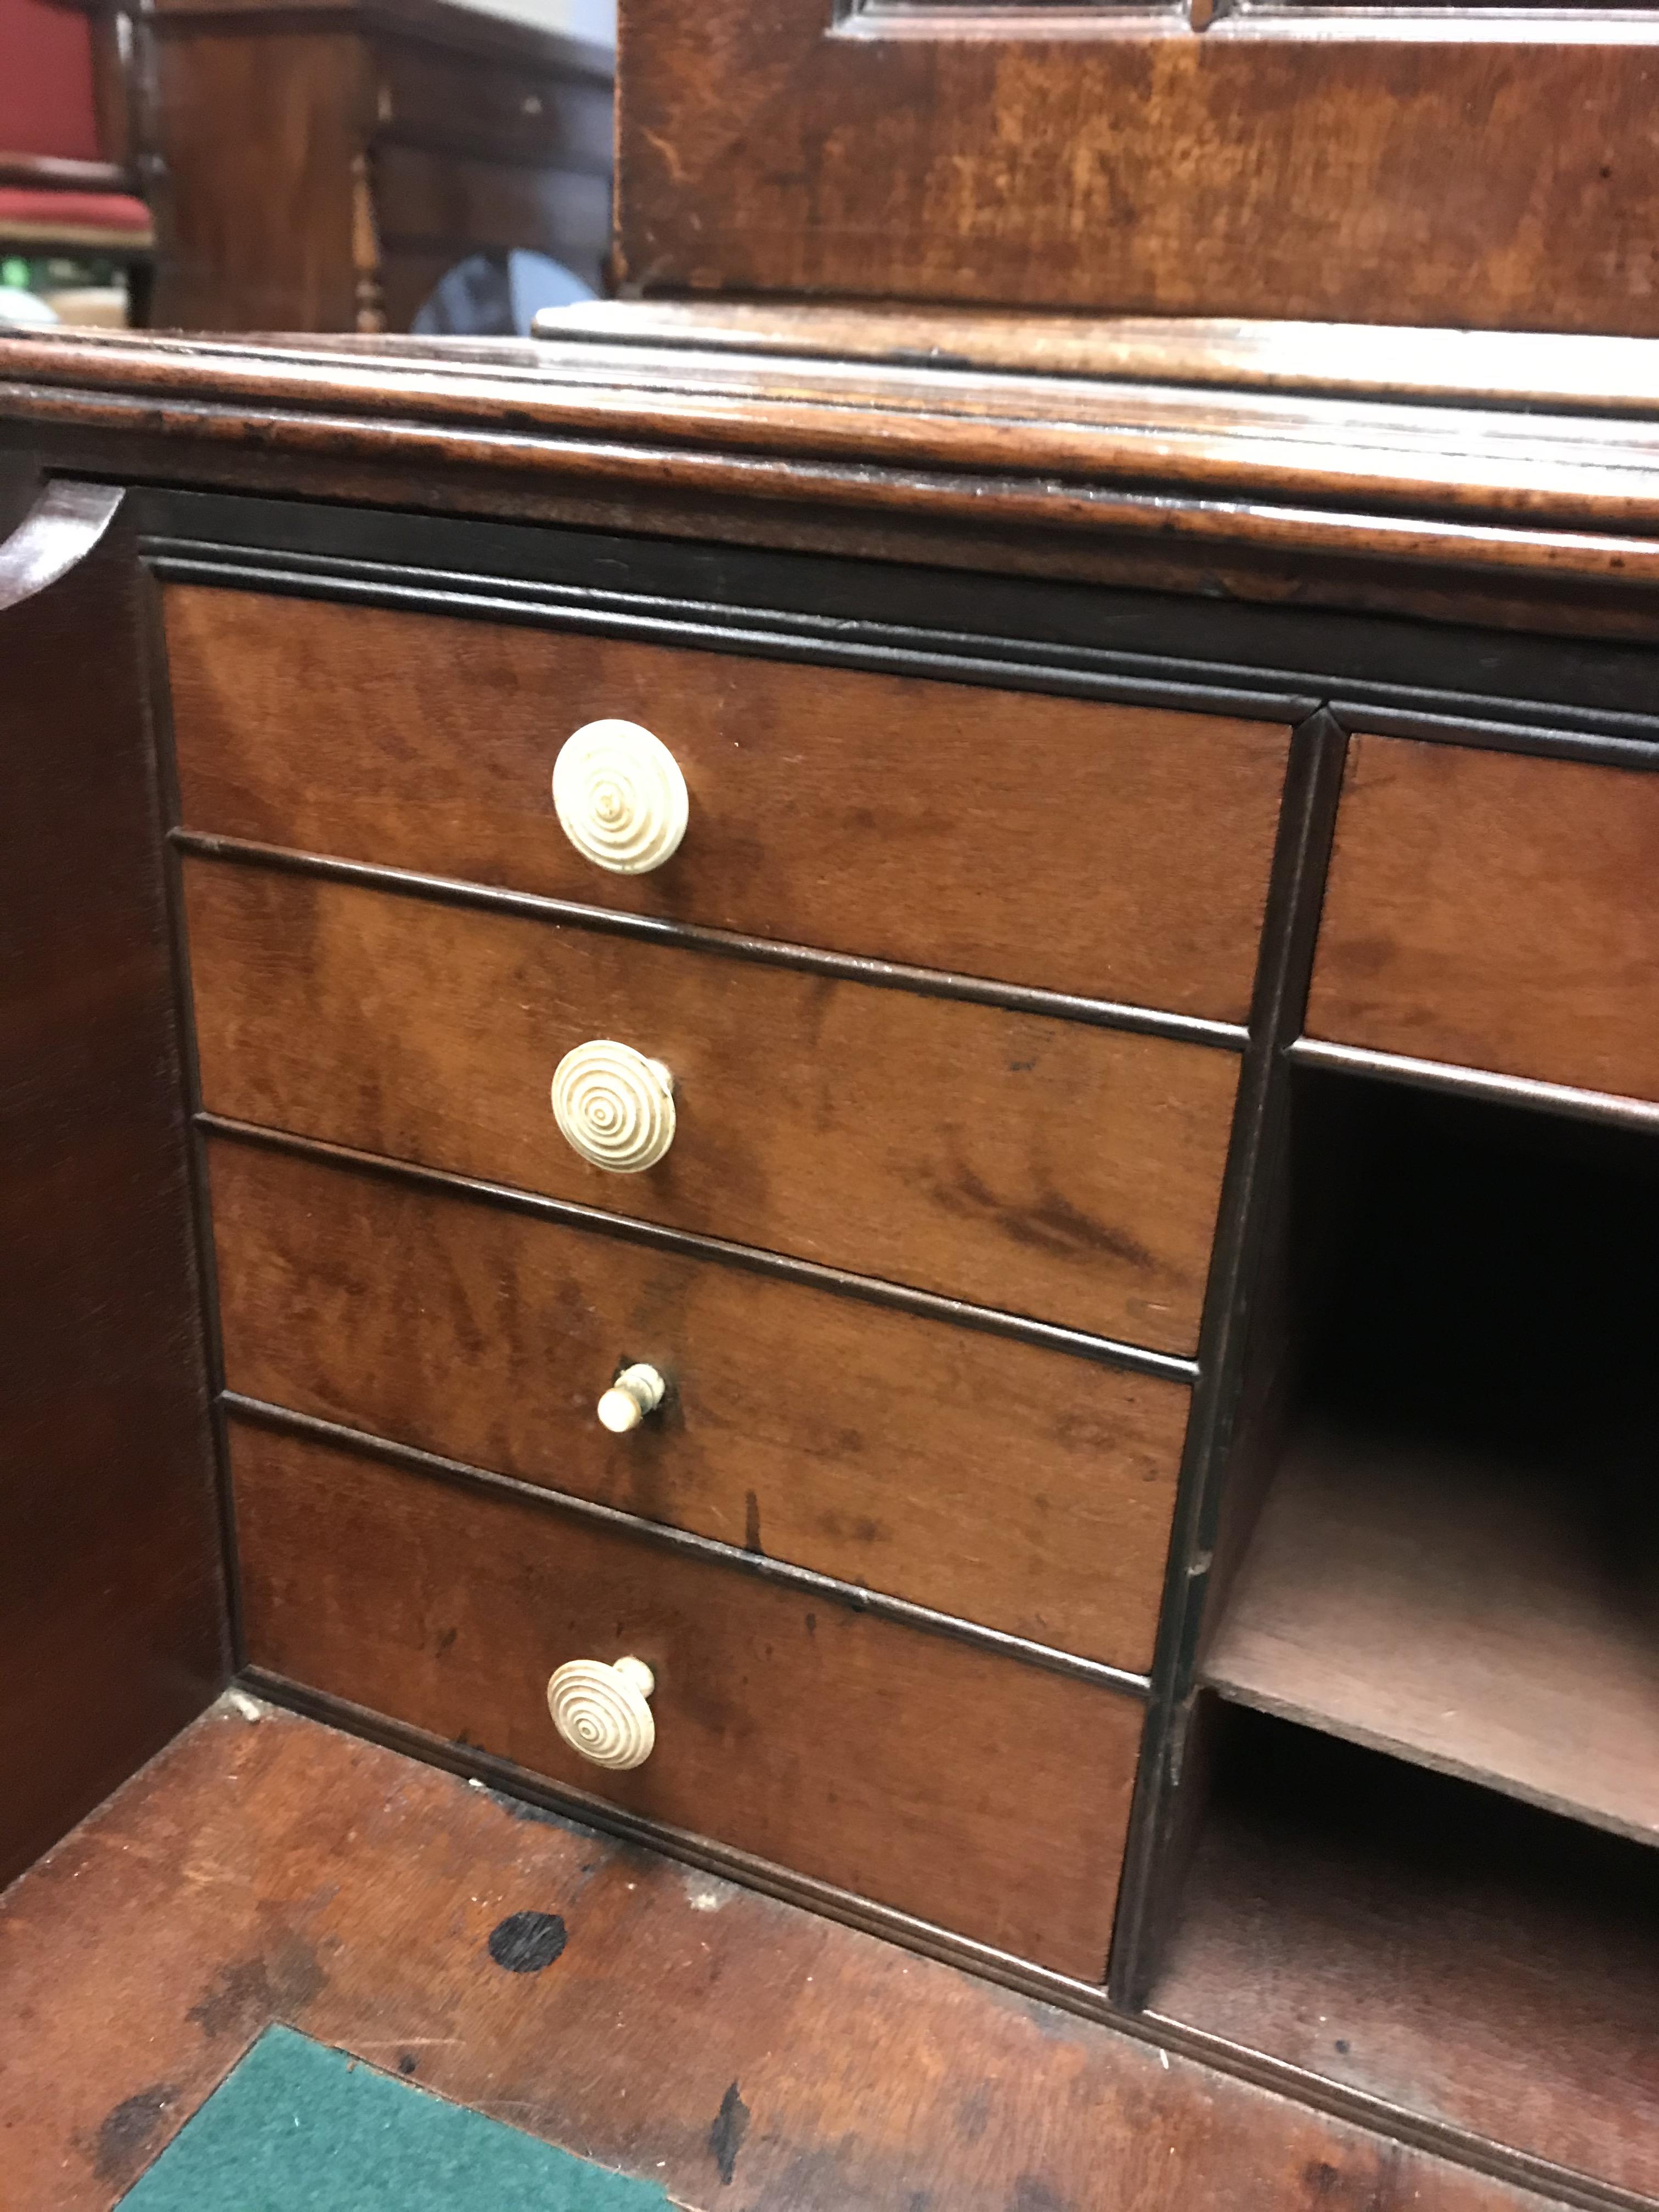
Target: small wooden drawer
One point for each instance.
(1497, 911)
(426, 97)
(1011, 1485)
(958, 1785)
(1051, 1168)
(1111, 851)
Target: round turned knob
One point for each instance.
(614, 1106)
(636, 1392)
(620, 797)
(602, 1711)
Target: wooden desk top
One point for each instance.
(1516, 472)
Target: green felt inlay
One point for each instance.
(299, 2128)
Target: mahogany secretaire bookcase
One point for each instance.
(876, 1088)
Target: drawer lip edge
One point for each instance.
(1029, 664)
(850, 1597)
(1620, 1108)
(813, 1274)
(873, 973)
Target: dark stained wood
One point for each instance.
(868, 1444)
(978, 1793)
(1114, 852)
(427, 196)
(423, 95)
(1455, 1608)
(111, 1612)
(1100, 439)
(1496, 912)
(281, 1871)
(1049, 1168)
(1482, 1964)
(1135, 167)
(1382, 509)
(258, 135)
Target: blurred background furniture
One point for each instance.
(324, 170)
(72, 225)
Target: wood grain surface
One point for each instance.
(963, 1787)
(112, 1604)
(1458, 1609)
(1114, 852)
(1365, 361)
(232, 116)
(1009, 1484)
(1497, 911)
(279, 1870)
(1447, 1951)
(1028, 158)
(1049, 1166)
(1518, 517)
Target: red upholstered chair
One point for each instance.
(65, 187)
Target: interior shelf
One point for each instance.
(1457, 1556)
(1426, 1943)
(1455, 1607)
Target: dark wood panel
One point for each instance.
(1454, 1608)
(506, 113)
(1047, 1167)
(1115, 852)
(961, 1787)
(1478, 1962)
(1130, 168)
(112, 1627)
(428, 198)
(254, 209)
(339, 1888)
(1496, 911)
(868, 1444)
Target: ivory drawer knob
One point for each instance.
(620, 797)
(636, 1392)
(614, 1106)
(603, 1712)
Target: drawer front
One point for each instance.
(1495, 910)
(986, 1796)
(1050, 1167)
(997, 1480)
(424, 197)
(426, 97)
(1112, 852)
